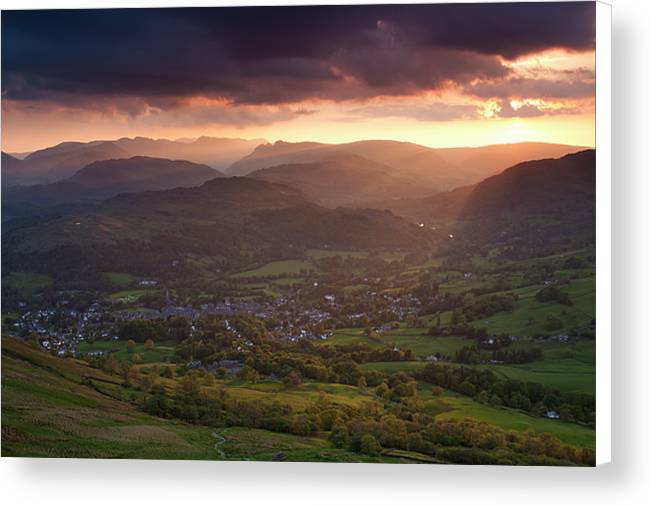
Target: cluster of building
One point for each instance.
(61, 329)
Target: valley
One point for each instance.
(281, 316)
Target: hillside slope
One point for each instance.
(554, 196)
(12, 169)
(62, 408)
(63, 160)
(105, 179)
(237, 219)
(433, 169)
(342, 179)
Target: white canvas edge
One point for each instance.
(603, 243)
(603, 14)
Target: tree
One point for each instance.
(145, 382)
(248, 373)
(149, 344)
(339, 436)
(382, 390)
(482, 397)
(179, 328)
(467, 388)
(369, 445)
(437, 390)
(292, 379)
(190, 385)
(131, 345)
(362, 382)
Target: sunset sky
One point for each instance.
(438, 75)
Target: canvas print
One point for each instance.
(311, 233)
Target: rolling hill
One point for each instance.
(342, 179)
(217, 152)
(432, 169)
(12, 169)
(236, 219)
(142, 173)
(64, 408)
(63, 160)
(103, 179)
(556, 195)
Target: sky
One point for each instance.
(438, 75)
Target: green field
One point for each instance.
(417, 340)
(118, 349)
(352, 336)
(391, 367)
(317, 254)
(120, 280)
(567, 376)
(278, 268)
(509, 419)
(128, 295)
(27, 283)
(530, 317)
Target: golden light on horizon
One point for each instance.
(447, 117)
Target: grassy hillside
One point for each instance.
(51, 409)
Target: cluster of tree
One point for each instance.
(367, 429)
(553, 294)
(476, 355)
(338, 267)
(487, 387)
(332, 366)
(459, 329)
(575, 263)
(442, 302)
(476, 308)
(427, 288)
(176, 328)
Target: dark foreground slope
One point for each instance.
(59, 407)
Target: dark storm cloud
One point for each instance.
(525, 87)
(275, 55)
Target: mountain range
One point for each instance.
(63, 160)
(553, 199)
(104, 179)
(343, 179)
(432, 169)
(240, 220)
(236, 219)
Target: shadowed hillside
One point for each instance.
(432, 169)
(104, 179)
(556, 195)
(343, 179)
(63, 160)
(238, 219)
